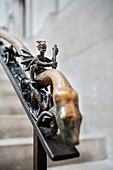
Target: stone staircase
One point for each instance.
(15, 129)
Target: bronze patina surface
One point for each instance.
(66, 104)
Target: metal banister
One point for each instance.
(44, 141)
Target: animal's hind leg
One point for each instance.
(47, 119)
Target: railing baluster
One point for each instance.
(39, 154)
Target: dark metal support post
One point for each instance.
(39, 154)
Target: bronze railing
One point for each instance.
(44, 141)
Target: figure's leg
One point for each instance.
(32, 70)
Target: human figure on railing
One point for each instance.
(39, 63)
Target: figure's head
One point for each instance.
(68, 116)
(41, 46)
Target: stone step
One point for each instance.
(3, 75)
(98, 165)
(6, 88)
(10, 105)
(16, 154)
(11, 110)
(12, 126)
(4, 78)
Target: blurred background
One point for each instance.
(83, 31)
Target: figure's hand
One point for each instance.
(56, 50)
(54, 65)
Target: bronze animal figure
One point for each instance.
(66, 104)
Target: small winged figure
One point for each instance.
(39, 63)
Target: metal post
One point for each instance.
(39, 154)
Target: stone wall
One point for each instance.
(83, 31)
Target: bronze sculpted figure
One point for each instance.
(53, 102)
(37, 64)
(66, 106)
